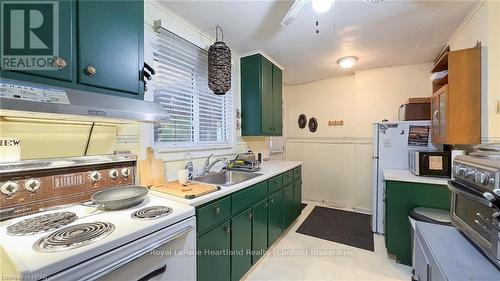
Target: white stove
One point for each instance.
(78, 242)
(89, 261)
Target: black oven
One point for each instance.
(477, 218)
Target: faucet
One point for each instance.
(208, 165)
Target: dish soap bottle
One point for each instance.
(189, 166)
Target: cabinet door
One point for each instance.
(277, 101)
(275, 217)
(66, 43)
(289, 210)
(297, 197)
(259, 230)
(110, 40)
(215, 266)
(267, 97)
(443, 101)
(241, 243)
(435, 119)
(421, 265)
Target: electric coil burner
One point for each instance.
(74, 236)
(41, 223)
(151, 213)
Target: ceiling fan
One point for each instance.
(319, 6)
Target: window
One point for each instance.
(198, 117)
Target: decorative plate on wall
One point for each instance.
(302, 121)
(313, 124)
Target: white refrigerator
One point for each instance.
(391, 143)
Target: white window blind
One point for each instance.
(198, 117)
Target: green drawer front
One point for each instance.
(213, 213)
(244, 198)
(275, 184)
(287, 178)
(297, 173)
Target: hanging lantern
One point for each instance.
(219, 65)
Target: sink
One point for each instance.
(226, 178)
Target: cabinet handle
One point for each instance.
(90, 70)
(217, 210)
(250, 216)
(227, 229)
(435, 115)
(272, 200)
(59, 63)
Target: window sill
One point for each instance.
(180, 153)
(161, 149)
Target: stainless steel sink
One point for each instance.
(226, 178)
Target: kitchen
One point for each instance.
(217, 140)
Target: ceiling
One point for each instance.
(392, 33)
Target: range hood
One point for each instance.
(19, 97)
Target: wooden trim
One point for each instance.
(331, 140)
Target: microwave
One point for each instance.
(430, 163)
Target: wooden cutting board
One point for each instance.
(189, 191)
(151, 170)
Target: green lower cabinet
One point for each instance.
(241, 243)
(289, 210)
(401, 198)
(213, 263)
(275, 217)
(244, 224)
(297, 197)
(259, 230)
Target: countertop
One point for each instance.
(456, 257)
(407, 176)
(268, 170)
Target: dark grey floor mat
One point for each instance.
(339, 226)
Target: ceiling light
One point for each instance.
(347, 62)
(322, 6)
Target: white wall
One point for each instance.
(483, 24)
(337, 160)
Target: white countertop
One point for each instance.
(407, 176)
(268, 170)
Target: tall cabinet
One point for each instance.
(456, 102)
(261, 97)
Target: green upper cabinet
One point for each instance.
(277, 101)
(64, 61)
(101, 49)
(110, 43)
(261, 97)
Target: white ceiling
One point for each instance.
(393, 33)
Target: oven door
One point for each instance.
(472, 214)
(167, 254)
(436, 164)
